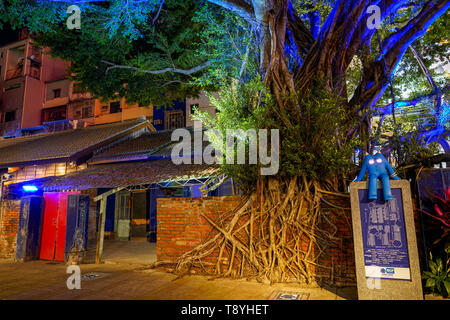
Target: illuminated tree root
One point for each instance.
(277, 234)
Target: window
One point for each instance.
(104, 109)
(83, 109)
(114, 107)
(56, 93)
(54, 114)
(87, 112)
(83, 113)
(174, 119)
(10, 116)
(194, 106)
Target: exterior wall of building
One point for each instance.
(24, 71)
(203, 103)
(337, 263)
(53, 68)
(9, 222)
(63, 86)
(103, 113)
(33, 102)
(11, 97)
(181, 228)
(40, 171)
(170, 117)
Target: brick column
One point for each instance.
(9, 222)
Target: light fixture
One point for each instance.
(29, 188)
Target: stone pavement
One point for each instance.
(45, 280)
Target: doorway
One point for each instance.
(53, 235)
(132, 215)
(123, 214)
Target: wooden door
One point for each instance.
(49, 226)
(139, 216)
(123, 221)
(53, 235)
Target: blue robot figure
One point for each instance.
(378, 168)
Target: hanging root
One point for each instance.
(277, 234)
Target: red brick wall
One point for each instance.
(181, 228)
(9, 221)
(339, 256)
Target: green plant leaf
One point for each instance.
(433, 266)
(430, 283)
(439, 265)
(447, 286)
(427, 274)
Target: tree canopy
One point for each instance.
(154, 51)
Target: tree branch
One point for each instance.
(303, 38)
(410, 103)
(161, 71)
(157, 13)
(240, 7)
(375, 80)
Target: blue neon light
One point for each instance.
(29, 188)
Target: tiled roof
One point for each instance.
(135, 146)
(64, 144)
(123, 175)
(151, 145)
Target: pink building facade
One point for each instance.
(24, 72)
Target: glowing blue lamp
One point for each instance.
(29, 188)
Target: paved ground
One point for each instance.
(131, 252)
(47, 280)
(124, 276)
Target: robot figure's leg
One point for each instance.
(386, 187)
(372, 188)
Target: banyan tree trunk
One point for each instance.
(279, 233)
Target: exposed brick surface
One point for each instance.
(9, 221)
(337, 263)
(181, 228)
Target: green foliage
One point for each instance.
(407, 144)
(229, 42)
(126, 33)
(313, 143)
(437, 279)
(238, 106)
(409, 80)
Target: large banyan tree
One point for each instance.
(292, 74)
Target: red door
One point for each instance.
(53, 236)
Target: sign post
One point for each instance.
(387, 261)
